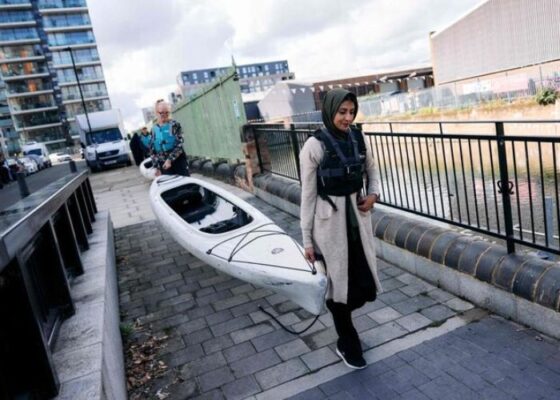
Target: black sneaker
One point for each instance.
(352, 362)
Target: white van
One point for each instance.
(38, 149)
(102, 138)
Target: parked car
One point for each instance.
(40, 160)
(62, 157)
(29, 164)
(38, 149)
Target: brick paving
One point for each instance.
(493, 359)
(220, 346)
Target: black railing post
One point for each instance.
(504, 187)
(295, 148)
(259, 156)
(23, 189)
(72, 165)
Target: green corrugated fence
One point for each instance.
(212, 120)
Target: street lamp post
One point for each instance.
(69, 49)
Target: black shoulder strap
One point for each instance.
(359, 136)
(328, 138)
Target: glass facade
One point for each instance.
(88, 90)
(62, 3)
(21, 51)
(38, 87)
(30, 120)
(11, 34)
(66, 20)
(29, 86)
(13, 2)
(90, 73)
(74, 109)
(23, 69)
(80, 56)
(69, 38)
(31, 102)
(15, 16)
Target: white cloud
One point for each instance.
(144, 44)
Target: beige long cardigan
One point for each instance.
(325, 229)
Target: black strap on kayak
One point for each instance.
(284, 326)
(172, 177)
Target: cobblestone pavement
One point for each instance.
(421, 342)
(492, 359)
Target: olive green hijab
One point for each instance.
(331, 104)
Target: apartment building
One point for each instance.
(39, 94)
(257, 77)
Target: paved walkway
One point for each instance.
(421, 342)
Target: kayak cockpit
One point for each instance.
(204, 209)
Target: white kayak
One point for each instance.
(234, 237)
(147, 169)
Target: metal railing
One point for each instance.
(498, 178)
(41, 238)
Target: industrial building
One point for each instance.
(384, 82)
(500, 46)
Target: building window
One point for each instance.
(18, 34)
(64, 20)
(80, 56)
(61, 3)
(68, 38)
(15, 16)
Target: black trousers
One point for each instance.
(178, 167)
(361, 289)
(348, 339)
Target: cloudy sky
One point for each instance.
(144, 44)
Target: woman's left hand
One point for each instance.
(365, 204)
(167, 164)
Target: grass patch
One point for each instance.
(126, 331)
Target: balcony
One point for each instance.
(39, 57)
(50, 4)
(20, 53)
(19, 75)
(6, 123)
(70, 42)
(79, 64)
(30, 88)
(83, 80)
(88, 95)
(39, 125)
(14, 4)
(16, 24)
(32, 108)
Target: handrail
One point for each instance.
(25, 218)
(487, 182)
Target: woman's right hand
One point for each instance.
(310, 254)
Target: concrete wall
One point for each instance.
(88, 355)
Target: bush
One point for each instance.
(546, 96)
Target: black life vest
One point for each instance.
(341, 174)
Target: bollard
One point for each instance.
(23, 189)
(72, 165)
